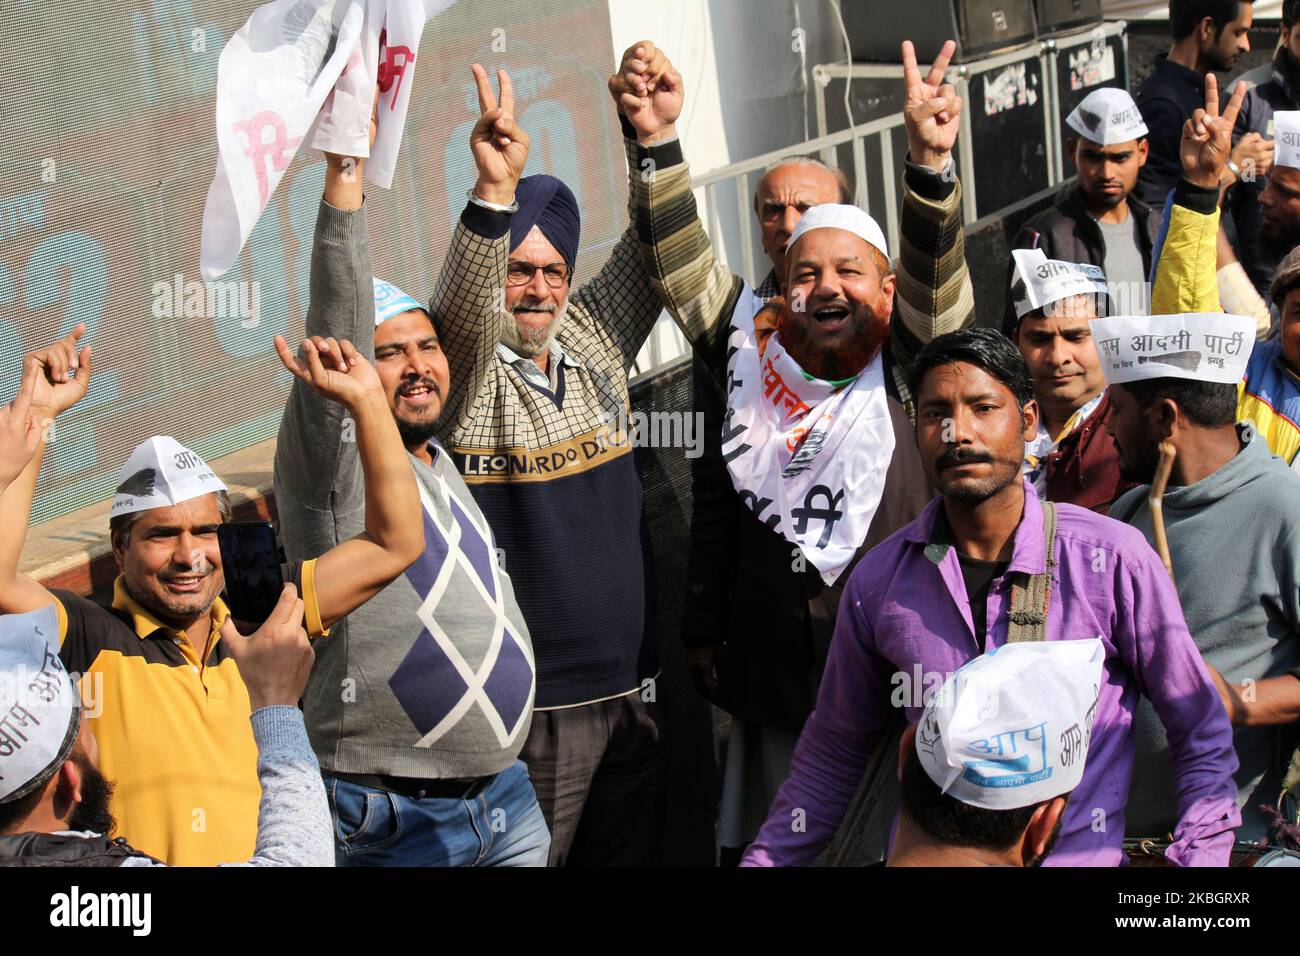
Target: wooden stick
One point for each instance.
(1154, 501)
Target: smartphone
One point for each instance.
(250, 559)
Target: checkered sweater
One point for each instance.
(549, 467)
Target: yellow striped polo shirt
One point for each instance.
(173, 730)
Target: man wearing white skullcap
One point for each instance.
(988, 770)
(817, 440)
(187, 789)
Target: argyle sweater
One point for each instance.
(433, 677)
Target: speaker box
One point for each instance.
(877, 29)
(1084, 62)
(1057, 15)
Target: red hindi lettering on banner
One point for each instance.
(279, 150)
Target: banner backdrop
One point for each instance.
(107, 112)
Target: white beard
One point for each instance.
(530, 343)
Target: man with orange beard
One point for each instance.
(817, 436)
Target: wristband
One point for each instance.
(494, 206)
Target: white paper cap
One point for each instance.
(840, 216)
(39, 706)
(1286, 138)
(1051, 280)
(1011, 728)
(1206, 346)
(391, 301)
(162, 472)
(1107, 116)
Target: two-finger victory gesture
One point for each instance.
(933, 108)
(500, 147)
(1207, 137)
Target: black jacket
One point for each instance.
(1067, 232)
(64, 849)
(776, 622)
(1167, 98)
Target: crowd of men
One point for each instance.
(970, 596)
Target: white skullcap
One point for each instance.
(162, 472)
(840, 216)
(1205, 346)
(1011, 728)
(1107, 116)
(1286, 138)
(39, 707)
(1051, 280)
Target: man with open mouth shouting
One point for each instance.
(817, 436)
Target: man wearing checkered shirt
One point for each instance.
(540, 386)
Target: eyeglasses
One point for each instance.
(556, 274)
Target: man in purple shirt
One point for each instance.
(937, 593)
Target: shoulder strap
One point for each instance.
(1031, 594)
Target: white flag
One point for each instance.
(305, 71)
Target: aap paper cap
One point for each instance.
(1106, 117)
(38, 703)
(840, 216)
(1205, 346)
(162, 472)
(1011, 728)
(391, 301)
(1286, 138)
(1051, 280)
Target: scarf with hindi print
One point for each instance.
(808, 457)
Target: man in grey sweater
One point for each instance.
(1232, 518)
(421, 700)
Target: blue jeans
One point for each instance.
(501, 826)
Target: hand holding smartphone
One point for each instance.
(250, 560)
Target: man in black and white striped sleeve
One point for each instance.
(777, 611)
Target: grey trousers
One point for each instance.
(600, 774)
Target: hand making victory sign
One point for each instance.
(932, 110)
(500, 147)
(648, 91)
(1207, 136)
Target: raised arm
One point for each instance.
(698, 291)
(312, 471)
(1185, 261)
(354, 571)
(54, 379)
(468, 304)
(935, 294)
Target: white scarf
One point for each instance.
(809, 459)
(276, 89)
